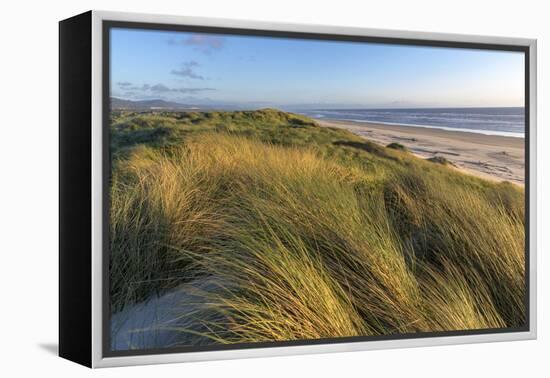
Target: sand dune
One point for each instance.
(492, 157)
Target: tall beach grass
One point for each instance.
(313, 239)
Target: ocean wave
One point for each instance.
(476, 131)
(490, 121)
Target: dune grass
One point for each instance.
(307, 232)
(397, 146)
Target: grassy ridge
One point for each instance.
(307, 232)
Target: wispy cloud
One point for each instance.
(161, 88)
(210, 41)
(194, 90)
(201, 42)
(130, 87)
(186, 70)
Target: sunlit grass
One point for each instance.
(314, 234)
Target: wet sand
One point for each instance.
(492, 157)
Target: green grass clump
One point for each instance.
(440, 160)
(397, 146)
(308, 232)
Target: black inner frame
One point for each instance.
(106, 177)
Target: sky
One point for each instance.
(255, 72)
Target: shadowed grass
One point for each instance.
(327, 238)
(397, 146)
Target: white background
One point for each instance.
(29, 190)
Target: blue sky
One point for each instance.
(254, 72)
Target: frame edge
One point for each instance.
(97, 290)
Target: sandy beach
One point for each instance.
(492, 157)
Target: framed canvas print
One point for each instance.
(236, 189)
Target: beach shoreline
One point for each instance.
(492, 157)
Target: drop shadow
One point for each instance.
(51, 348)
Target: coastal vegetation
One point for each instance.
(397, 146)
(439, 160)
(304, 231)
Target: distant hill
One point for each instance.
(121, 104)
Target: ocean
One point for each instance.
(490, 121)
